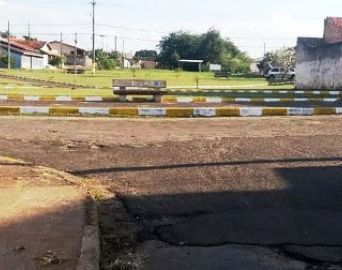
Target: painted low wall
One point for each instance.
(319, 65)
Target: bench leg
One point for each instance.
(157, 98)
(123, 98)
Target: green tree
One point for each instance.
(105, 60)
(210, 47)
(284, 57)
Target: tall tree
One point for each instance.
(210, 47)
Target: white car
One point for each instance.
(281, 73)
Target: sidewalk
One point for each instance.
(42, 218)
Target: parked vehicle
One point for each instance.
(281, 73)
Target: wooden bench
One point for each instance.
(124, 88)
(221, 74)
(73, 71)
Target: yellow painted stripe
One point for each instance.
(47, 98)
(110, 99)
(287, 100)
(141, 99)
(179, 112)
(324, 111)
(227, 112)
(169, 99)
(63, 111)
(257, 100)
(15, 97)
(274, 111)
(228, 100)
(9, 110)
(124, 112)
(79, 99)
(199, 100)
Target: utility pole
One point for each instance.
(123, 54)
(116, 44)
(264, 49)
(29, 30)
(75, 54)
(94, 61)
(61, 51)
(8, 46)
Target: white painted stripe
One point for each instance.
(31, 98)
(242, 100)
(93, 98)
(299, 92)
(34, 110)
(330, 99)
(3, 97)
(268, 92)
(63, 98)
(250, 111)
(339, 110)
(207, 112)
(228, 91)
(152, 111)
(185, 99)
(283, 92)
(272, 100)
(213, 100)
(334, 93)
(217, 91)
(317, 92)
(241, 91)
(254, 91)
(301, 99)
(94, 111)
(300, 111)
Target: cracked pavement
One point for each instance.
(203, 193)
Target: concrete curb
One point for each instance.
(170, 112)
(90, 250)
(325, 97)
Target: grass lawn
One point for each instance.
(103, 79)
(173, 78)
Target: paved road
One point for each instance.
(243, 193)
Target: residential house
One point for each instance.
(319, 60)
(22, 56)
(82, 58)
(42, 46)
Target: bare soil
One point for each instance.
(258, 193)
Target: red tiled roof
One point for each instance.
(29, 44)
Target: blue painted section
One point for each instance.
(22, 61)
(16, 59)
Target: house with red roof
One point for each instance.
(319, 60)
(22, 55)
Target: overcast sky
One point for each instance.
(141, 23)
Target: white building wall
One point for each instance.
(319, 74)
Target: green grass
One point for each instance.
(103, 79)
(173, 78)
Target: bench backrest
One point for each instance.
(139, 84)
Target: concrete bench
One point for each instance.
(124, 88)
(221, 74)
(73, 71)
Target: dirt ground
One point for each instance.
(42, 218)
(234, 193)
